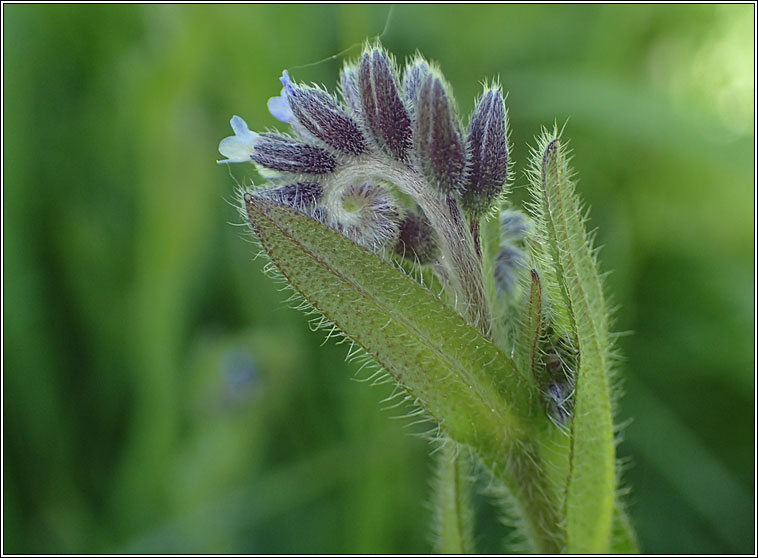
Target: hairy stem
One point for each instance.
(453, 505)
(459, 259)
(520, 469)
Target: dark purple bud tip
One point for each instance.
(437, 136)
(487, 146)
(416, 240)
(381, 104)
(282, 153)
(320, 115)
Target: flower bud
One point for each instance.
(559, 402)
(414, 75)
(282, 153)
(514, 226)
(509, 263)
(416, 240)
(349, 87)
(437, 136)
(300, 196)
(557, 380)
(487, 153)
(382, 107)
(319, 114)
(366, 213)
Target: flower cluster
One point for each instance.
(389, 165)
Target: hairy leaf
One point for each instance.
(527, 341)
(459, 377)
(577, 294)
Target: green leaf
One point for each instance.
(578, 303)
(460, 378)
(530, 329)
(623, 538)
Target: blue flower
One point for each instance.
(279, 107)
(239, 147)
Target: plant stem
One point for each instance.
(454, 509)
(459, 257)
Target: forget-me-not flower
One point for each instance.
(239, 147)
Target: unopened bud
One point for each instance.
(282, 153)
(556, 379)
(300, 196)
(382, 106)
(349, 87)
(414, 75)
(487, 147)
(509, 264)
(416, 240)
(437, 136)
(321, 116)
(514, 226)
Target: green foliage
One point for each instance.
(460, 378)
(564, 492)
(125, 292)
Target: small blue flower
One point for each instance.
(239, 147)
(286, 81)
(280, 108)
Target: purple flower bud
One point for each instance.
(349, 86)
(437, 136)
(514, 226)
(557, 380)
(300, 196)
(508, 265)
(414, 75)
(559, 402)
(318, 113)
(487, 153)
(382, 107)
(416, 240)
(282, 153)
(365, 213)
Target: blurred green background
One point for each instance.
(159, 394)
